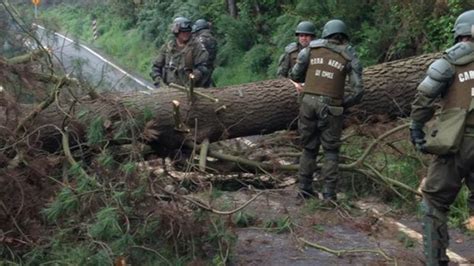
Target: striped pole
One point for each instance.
(94, 29)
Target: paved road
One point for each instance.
(86, 64)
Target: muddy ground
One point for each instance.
(276, 228)
(280, 225)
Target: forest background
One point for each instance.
(253, 34)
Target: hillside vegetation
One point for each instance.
(108, 200)
(253, 34)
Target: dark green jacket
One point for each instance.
(288, 59)
(174, 64)
(205, 38)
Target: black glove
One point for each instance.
(348, 101)
(417, 138)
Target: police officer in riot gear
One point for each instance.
(323, 67)
(181, 60)
(305, 32)
(449, 78)
(203, 35)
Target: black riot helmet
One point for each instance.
(181, 24)
(305, 27)
(464, 25)
(200, 24)
(334, 26)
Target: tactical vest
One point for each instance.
(210, 44)
(178, 64)
(461, 91)
(326, 73)
(293, 56)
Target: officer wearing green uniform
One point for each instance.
(452, 79)
(203, 35)
(305, 31)
(181, 60)
(324, 66)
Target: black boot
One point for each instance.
(307, 193)
(329, 193)
(435, 235)
(306, 187)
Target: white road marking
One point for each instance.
(101, 58)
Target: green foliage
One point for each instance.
(139, 192)
(96, 132)
(439, 29)
(105, 159)
(72, 255)
(404, 170)
(150, 225)
(222, 238)
(216, 193)
(147, 115)
(459, 211)
(389, 164)
(66, 254)
(280, 225)
(101, 216)
(312, 205)
(128, 168)
(81, 114)
(100, 257)
(124, 9)
(252, 67)
(243, 219)
(406, 240)
(318, 228)
(65, 203)
(106, 226)
(380, 31)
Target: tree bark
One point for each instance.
(232, 7)
(390, 88)
(242, 110)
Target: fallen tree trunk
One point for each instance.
(391, 87)
(242, 110)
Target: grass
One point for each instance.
(459, 210)
(280, 225)
(133, 52)
(126, 47)
(243, 219)
(405, 240)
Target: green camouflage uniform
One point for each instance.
(174, 64)
(207, 40)
(324, 66)
(450, 78)
(288, 59)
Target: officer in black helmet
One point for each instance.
(323, 67)
(181, 60)
(305, 32)
(203, 35)
(451, 79)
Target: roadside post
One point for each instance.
(94, 28)
(36, 3)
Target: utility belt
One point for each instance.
(326, 99)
